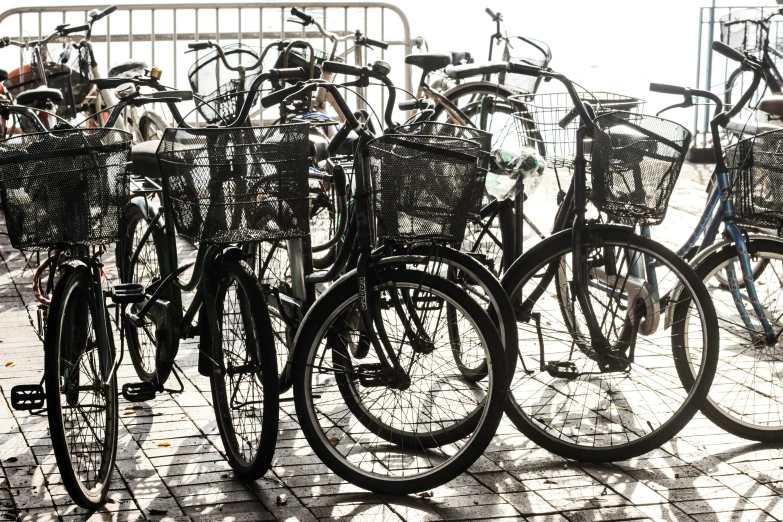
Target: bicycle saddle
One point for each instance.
(429, 62)
(39, 95)
(772, 104)
(130, 69)
(144, 157)
(474, 69)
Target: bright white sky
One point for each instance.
(612, 45)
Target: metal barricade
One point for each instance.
(158, 34)
(713, 70)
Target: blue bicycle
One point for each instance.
(743, 272)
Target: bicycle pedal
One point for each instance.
(138, 391)
(27, 397)
(128, 293)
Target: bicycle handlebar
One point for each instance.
(78, 29)
(367, 72)
(728, 52)
(495, 17)
(375, 43)
(306, 19)
(579, 105)
(199, 46)
(106, 12)
(668, 89)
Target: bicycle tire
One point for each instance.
(145, 344)
(332, 305)
(72, 309)
(742, 397)
(151, 126)
(562, 435)
(249, 444)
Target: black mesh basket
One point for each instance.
(65, 187)
(423, 186)
(636, 160)
(742, 30)
(539, 116)
(756, 169)
(58, 76)
(219, 87)
(237, 185)
(484, 140)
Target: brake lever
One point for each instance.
(296, 21)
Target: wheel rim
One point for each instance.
(145, 271)
(347, 437)
(238, 378)
(600, 410)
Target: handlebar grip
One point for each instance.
(490, 13)
(293, 73)
(4, 41)
(106, 12)
(667, 89)
(307, 19)
(277, 97)
(408, 105)
(568, 118)
(342, 68)
(181, 95)
(77, 29)
(109, 83)
(199, 46)
(376, 43)
(339, 138)
(728, 52)
(521, 68)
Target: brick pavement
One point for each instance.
(170, 465)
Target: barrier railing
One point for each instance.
(159, 33)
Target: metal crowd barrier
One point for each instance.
(159, 33)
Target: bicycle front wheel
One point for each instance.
(244, 373)
(746, 396)
(571, 403)
(82, 409)
(405, 428)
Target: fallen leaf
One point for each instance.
(9, 364)
(130, 412)
(565, 466)
(111, 501)
(547, 481)
(676, 475)
(427, 494)
(334, 440)
(164, 444)
(11, 459)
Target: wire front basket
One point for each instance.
(482, 138)
(219, 88)
(756, 171)
(742, 30)
(423, 186)
(528, 51)
(539, 117)
(228, 185)
(64, 188)
(636, 160)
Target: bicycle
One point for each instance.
(740, 271)
(605, 382)
(65, 190)
(747, 30)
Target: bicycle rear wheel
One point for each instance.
(382, 430)
(570, 404)
(746, 396)
(244, 376)
(82, 410)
